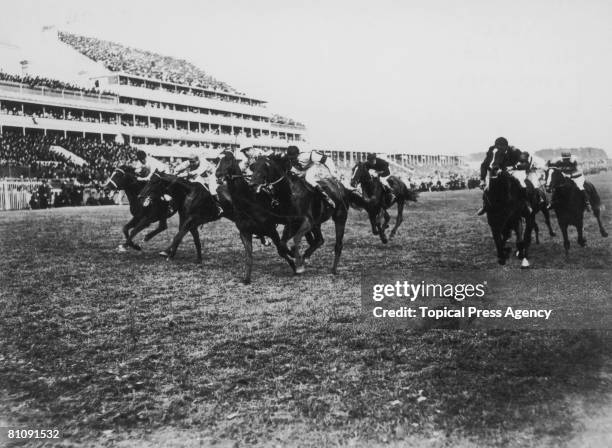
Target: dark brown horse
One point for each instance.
(194, 203)
(507, 212)
(124, 178)
(254, 213)
(378, 200)
(569, 205)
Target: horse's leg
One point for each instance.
(386, 218)
(163, 225)
(566, 243)
(597, 213)
(340, 224)
(380, 219)
(305, 227)
(529, 226)
(536, 229)
(125, 229)
(373, 217)
(247, 242)
(499, 246)
(170, 251)
(579, 230)
(315, 240)
(546, 214)
(281, 248)
(399, 219)
(142, 224)
(196, 242)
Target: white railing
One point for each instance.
(15, 195)
(57, 93)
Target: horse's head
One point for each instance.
(122, 177)
(268, 170)
(554, 178)
(359, 174)
(227, 166)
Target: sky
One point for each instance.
(435, 76)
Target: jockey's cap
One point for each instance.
(566, 155)
(371, 156)
(501, 142)
(193, 157)
(245, 149)
(140, 154)
(226, 152)
(293, 151)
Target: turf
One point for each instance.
(131, 350)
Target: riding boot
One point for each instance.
(217, 204)
(587, 203)
(326, 197)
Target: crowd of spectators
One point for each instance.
(33, 153)
(39, 81)
(284, 120)
(119, 58)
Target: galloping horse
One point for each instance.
(304, 204)
(506, 210)
(569, 205)
(378, 201)
(254, 213)
(124, 178)
(194, 203)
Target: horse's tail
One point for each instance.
(593, 195)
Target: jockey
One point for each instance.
(145, 166)
(516, 162)
(305, 164)
(568, 165)
(382, 171)
(199, 170)
(249, 154)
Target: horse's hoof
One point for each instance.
(300, 270)
(121, 248)
(517, 254)
(246, 281)
(553, 234)
(136, 246)
(604, 233)
(163, 253)
(524, 263)
(582, 243)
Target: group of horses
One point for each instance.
(507, 211)
(257, 203)
(273, 194)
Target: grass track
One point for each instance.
(130, 349)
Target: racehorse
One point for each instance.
(194, 203)
(296, 197)
(254, 213)
(378, 201)
(569, 205)
(124, 178)
(506, 211)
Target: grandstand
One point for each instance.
(100, 101)
(159, 103)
